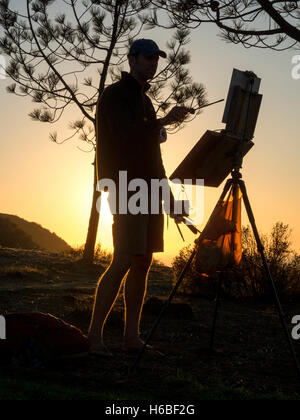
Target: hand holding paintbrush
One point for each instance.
(178, 113)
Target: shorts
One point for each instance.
(138, 234)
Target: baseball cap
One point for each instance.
(145, 47)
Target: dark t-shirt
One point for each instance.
(127, 133)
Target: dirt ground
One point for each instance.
(251, 358)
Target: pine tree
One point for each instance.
(64, 53)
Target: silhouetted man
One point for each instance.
(128, 139)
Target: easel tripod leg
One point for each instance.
(267, 269)
(227, 187)
(212, 337)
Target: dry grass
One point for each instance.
(251, 359)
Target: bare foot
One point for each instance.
(134, 344)
(97, 347)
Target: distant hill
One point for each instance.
(16, 232)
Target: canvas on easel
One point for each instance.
(211, 159)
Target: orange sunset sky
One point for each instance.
(52, 184)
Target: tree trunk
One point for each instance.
(89, 249)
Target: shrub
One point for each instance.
(100, 255)
(249, 277)
(282, 260)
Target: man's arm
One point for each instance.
(117, 112)
(177, 114)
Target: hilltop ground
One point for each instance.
(251, 358)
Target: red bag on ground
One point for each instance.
(35, 336)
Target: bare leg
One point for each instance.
(135, 291)
(106, 294)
